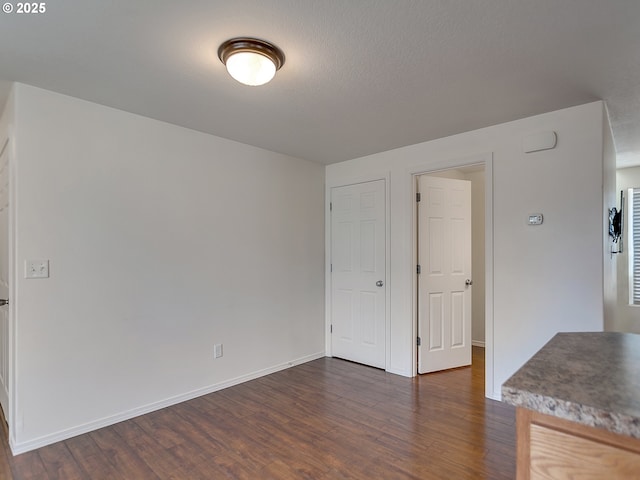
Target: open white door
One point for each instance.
(4, 278)
(444, 281)
(358, 280)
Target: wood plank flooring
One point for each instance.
(326, 419)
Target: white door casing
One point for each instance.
(4, 278)
(444, 256)
(358, 273)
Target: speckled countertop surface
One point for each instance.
(589, 378)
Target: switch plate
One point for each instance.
(36, 269)
(217, 350)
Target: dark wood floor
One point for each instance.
(327, 419)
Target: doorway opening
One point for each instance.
(450, 317)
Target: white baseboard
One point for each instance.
(477, 343)
(23, 447)
(494, 396)
(402, 373)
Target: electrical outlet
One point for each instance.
(217, 350)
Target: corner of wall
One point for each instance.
(610, 199)
(176, 231)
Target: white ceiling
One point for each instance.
(361, 76)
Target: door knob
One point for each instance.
(468, 282)
(4, 301)
(379, 283)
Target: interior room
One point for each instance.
(172, 238)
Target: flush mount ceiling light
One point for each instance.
(251, 61)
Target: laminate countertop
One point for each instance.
(589, 378)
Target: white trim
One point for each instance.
(478, 343)
(485, 159)
(343, 182)
(8, 144)
(489, 383)
(6, 388)
(17, 448)
(4, 144)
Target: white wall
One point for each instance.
(627, 318)
(162, 241)
(7, 117)
(610, 199)
(545, 279)
(477, 179)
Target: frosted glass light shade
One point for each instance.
(250, 60)
(251, 68)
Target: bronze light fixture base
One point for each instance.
(253, 45)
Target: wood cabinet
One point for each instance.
(553, 448)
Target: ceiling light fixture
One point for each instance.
(251, 61)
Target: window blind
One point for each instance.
(634, 263)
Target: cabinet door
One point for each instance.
(557, 455)
(550, 448)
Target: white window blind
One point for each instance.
(634, 243)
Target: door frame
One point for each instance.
(426, 168)
(6, 143)
(343, 182)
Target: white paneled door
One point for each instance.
(4, 278)
(444, 281)
(358, 276)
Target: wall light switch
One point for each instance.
(36, 269)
